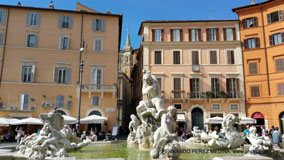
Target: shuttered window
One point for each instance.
(32, 40)
(276, 39)
(33, 19)
(28, 71)
(229, 34)
(250, 22)
(176, 35)
(98, 25)
(64, 43)
(275, 17)
(62, 75)
(65, 22)
(212, 34)
(194, 35)
(251, 43)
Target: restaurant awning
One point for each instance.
(30, 120)
(93, 119)
(69, 119)
(7, 121)
(247, 120)
(215, 120)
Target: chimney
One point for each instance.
(51, 5)
(19, 4)
(252, 2)
(108, 12)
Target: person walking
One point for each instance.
(20, 134)
(276, 137)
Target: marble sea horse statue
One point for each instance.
(166, 144)
(231, 137)
(259, 144)
(53, 140)
(149, 111)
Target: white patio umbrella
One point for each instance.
(93, 119)
(7, 121)
(30, 120)
(247, 120)
(69, 119)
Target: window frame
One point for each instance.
(271, 19)
(31, 73)
(3, 16)
(98, 101)
(280, 89)
(59, 101)
(212, 106)
(252, 43)
(98, 25)
(233, 58)
(156, 59)
(230, 106)
(33, 19)
(24, 101)
(29, 44)
(94, 79)
(256, 70)
(62, 75)
(179, 58)
(65, 22)
(279, 67)
(62, 42)
(217, 56)
(255, 94)
(98, 48)
(252, 20)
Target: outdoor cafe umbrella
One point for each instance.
(69, 120)
(7, 121)
(93, 119)
(30, 120)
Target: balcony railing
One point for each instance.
(6, 107)
(97, 87)
(214, 94)
(177, 94)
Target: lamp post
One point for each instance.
(81, 67)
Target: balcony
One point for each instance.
(98, 88)
(14, 108)
(215, 95)
(178, 95)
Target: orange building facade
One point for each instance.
(40, 59)
(199, 67)
(262, 35)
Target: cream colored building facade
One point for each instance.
(40, 55)
(198, 65)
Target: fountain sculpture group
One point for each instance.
(156, 129)
(54, 139)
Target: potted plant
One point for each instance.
(209, 94)
(223, 94)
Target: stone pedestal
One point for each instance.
(245, 157)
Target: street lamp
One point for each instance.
(81, 67)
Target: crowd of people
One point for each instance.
(274, 134)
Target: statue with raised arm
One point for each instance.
(152, 103)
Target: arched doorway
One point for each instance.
(259, 121)
(281, 122)
(61, 112)
(95, 112)
(197, 118)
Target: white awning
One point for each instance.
(69, 120)
(30, 120)
(93, 119)
(180, 118)
(7, 121)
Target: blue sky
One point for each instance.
(136, 11)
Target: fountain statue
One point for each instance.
(258, 144)
(53, 140)
(133, 126)
(229, 136)
(157, 128)
(149, 111)
(165, 138)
